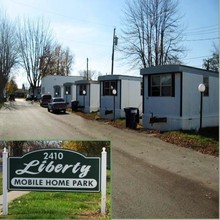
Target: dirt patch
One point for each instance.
(91, 116)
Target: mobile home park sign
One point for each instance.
(54, 170)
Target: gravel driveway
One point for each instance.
(150, 178)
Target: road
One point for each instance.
(150, 178)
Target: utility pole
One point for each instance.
(87, 69)
(115, 42)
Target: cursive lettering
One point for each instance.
(28, 166)
(35, 167)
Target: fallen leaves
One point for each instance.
(193, 141)
(189, 139)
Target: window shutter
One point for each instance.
(173, 85)
(149, 85)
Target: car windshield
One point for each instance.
(58, 100)
(46, 97)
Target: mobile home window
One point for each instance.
(57, 91)
(142, 88)
(81, 89)
(108, 86)
(206, 83)
(68, 90)
(161, 85)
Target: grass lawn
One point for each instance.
(207, 141)
(0, 183)
(59, 205)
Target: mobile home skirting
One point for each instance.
(180, 123)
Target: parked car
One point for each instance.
(45, 99)
(57, 104)
(31, 98)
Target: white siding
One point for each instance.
(131, 94)
(94, 97)
(107, 103)
(91, 99)
(128, 95)
(191, 102)
(48, 83)
(170, 107)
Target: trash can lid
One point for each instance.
(130, 108)
(134, 111)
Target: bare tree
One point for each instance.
(151, 33)
(8, 51)
(57, 61)
(68, 60)
(212, 63)
(35, 40)
(92, 74)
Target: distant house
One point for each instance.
(36, 93)
(20, 93)
(87, 94)
(128, 94)
(60, 86)
(171, 99)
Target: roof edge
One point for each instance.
(119, 77)
(176, 68)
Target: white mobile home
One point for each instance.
(60, 86)
(171, 99)
(127, 94)
(87, 94)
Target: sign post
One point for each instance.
(103, 181)
(54, 170)
(5, 183)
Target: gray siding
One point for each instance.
(183, 110)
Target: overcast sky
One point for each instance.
(86, 27)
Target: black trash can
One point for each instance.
(74, 105)
(132, 117)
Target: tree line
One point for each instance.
(30, 44)
(152, 35)
(87, 148)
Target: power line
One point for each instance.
(212, 29)
(202, 39)
(202, 28)
(192, 58)
(61, 15)
(202, 32)
(92, 44)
